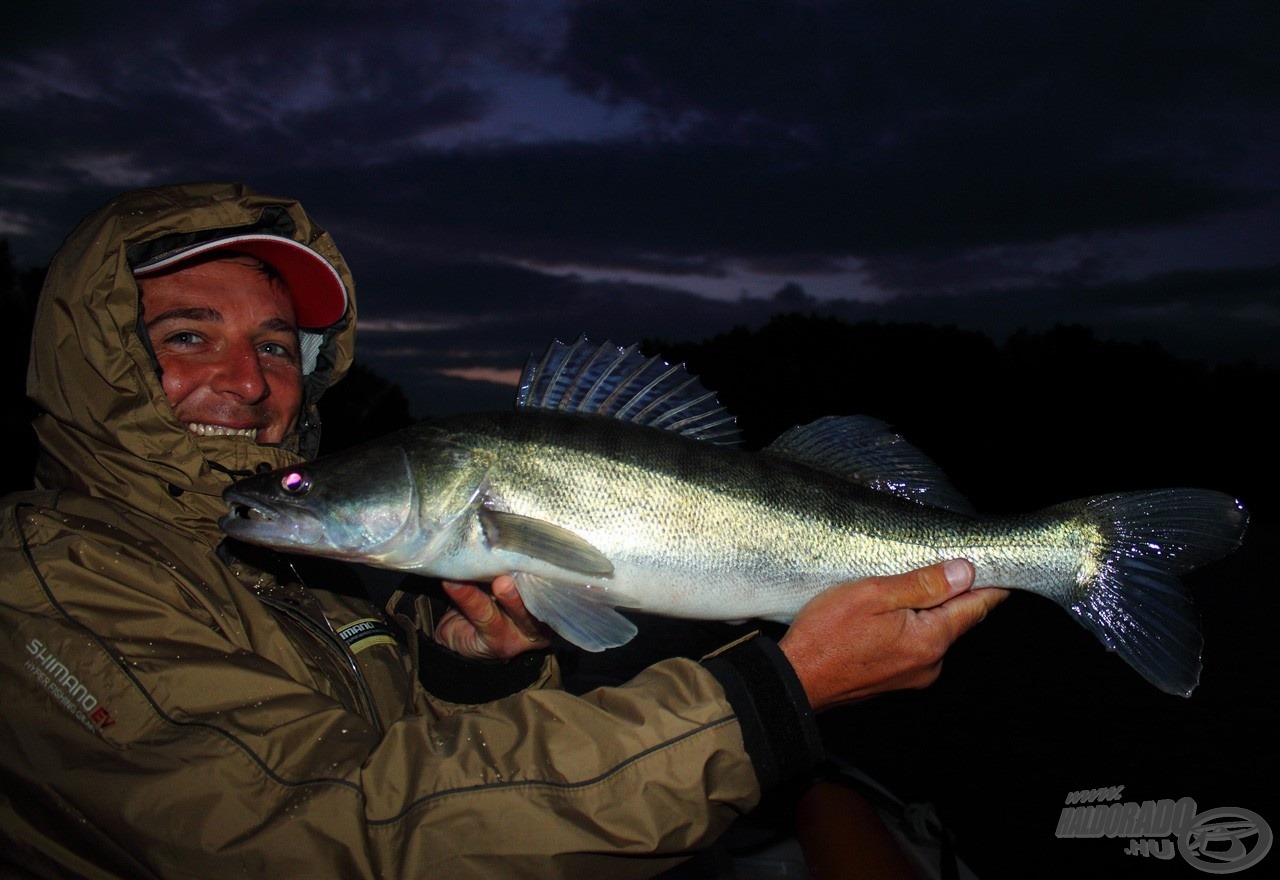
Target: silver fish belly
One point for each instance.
(596, 502)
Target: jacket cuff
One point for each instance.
(449, 676)
(778, 728)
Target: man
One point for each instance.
(177, 706)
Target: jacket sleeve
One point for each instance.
(778, 727)
(139, 740)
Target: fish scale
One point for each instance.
(618, 483)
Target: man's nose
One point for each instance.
(241, 374)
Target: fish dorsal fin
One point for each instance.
(579, 613)
(867, 451)
(539, 539)
(623, 384)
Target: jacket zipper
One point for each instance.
(330, 639)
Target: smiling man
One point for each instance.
(177, 705)
(225, 337)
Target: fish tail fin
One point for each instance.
(1134, 601)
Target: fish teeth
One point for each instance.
(219, 431)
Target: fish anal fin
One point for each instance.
(543, 540)
(582, 614)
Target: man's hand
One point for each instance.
(885, 633)
(481, 626)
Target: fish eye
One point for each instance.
(296, 483)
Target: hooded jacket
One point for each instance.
(174, 708)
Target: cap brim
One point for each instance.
(319, 296)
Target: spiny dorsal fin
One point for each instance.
(867, 451)
(623, 384)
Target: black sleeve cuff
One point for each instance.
(778, 728)
(450, 676)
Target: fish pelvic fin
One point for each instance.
(540, 539)
(582, 614)
(1134, 602)
(621, 383)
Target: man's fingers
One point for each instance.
(927, 587)
(971, 608)
(504, 590)
(508, 596)
(964, 612)
(475, 604)
(498, 615)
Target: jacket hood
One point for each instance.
(104, 426)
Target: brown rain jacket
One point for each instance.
(170, 710)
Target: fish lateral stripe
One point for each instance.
(592, 513)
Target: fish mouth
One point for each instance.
(252, 520)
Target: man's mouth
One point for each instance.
(219, 431)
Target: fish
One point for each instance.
(618, 483)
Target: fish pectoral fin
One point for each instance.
(540, 539)
(580, 613)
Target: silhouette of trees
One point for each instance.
(1044, 417)
(361, 407)
(19, 290)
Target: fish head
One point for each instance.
(345, 505)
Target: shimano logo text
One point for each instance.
(71, 693)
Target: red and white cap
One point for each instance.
(319, 296)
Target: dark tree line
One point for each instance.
(1041, 418)
(19, 290)
(1044, 417)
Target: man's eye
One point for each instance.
(184, 337)
(278, 349)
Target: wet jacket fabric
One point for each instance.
(174, 706)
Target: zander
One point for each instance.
(617, 482)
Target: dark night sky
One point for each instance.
(500, 174)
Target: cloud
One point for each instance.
(775, 128)
(14, 222)
(500, 173)
(1217, 316)
(960, 125)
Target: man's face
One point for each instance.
(227, 342)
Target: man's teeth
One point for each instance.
(219, 431)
